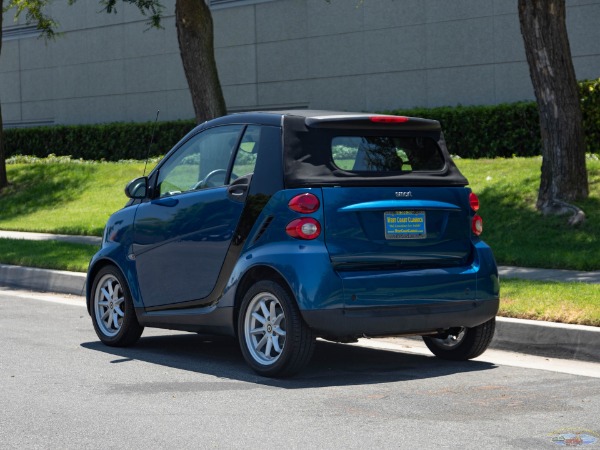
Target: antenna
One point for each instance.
(151, 140)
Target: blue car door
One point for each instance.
(181, 237)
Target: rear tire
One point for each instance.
(112, 310)
(468, 343)
(273, 337)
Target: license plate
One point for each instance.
(404, 224)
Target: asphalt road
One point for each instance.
(61, 389)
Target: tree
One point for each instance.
(193, 20)
(196, 44)
(194, 25)
(3, 176)
(34, 12)
(564, 175)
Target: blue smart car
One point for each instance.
(281, 227)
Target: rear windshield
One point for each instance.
(387, 154)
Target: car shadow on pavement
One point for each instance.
(332, 364)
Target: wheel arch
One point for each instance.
(253, 275)
(91, 276)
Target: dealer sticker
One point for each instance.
(405, 225)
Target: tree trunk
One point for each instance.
(564, 175)
(3, 177)
(195, 34)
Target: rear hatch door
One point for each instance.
(383, 228)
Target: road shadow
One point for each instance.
(332, 364)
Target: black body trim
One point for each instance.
(206, 320)
(392, 321)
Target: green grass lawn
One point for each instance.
(575, 303)
(46, 254)
(69, 198)
(518, 234)
(78, 198)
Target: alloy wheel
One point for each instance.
(108, 305)
(265, 328)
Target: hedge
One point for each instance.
(471, 132)
(486, 131)
(507, 129)
(589, 93)
(110, 142)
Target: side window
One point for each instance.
(200, 163)
(245, 158)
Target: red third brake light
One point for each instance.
(304, 228)
(388, 119)
(304, 203)
(474, 202)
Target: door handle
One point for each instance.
(168, 202)
(238, 192)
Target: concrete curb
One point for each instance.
(549, 339)
(58, 281)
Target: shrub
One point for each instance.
(589, 94)
(109, 142)
(507, 129)
(486, 131)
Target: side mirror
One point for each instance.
(137, 189)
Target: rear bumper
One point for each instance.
(396, 320)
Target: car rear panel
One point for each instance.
(380, 268)
(396, 224)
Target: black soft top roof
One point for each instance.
(307, 156)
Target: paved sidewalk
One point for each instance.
(549, 274)
(505, 271)
(72, 239)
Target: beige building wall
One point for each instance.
(343, 54)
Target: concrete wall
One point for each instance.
(380, 54)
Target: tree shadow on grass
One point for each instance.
(42, 186)
(520, 235)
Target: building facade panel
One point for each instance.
(384, 14)
(280, 21)
(284, 94)
(235, 26)
(343, 54)
(395, 49)
(512, 82)
(451, 44)
(472, 84)
(282, 60)
(440, 11)
(394, 90)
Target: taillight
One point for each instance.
(304, 203)
(474, 202)
(388, 119)
(477, 225)
(304, 228)
(476, 221)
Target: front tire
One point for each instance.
(273, 337)
(463, 343)
(112, 310)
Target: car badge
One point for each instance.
(404, 194)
